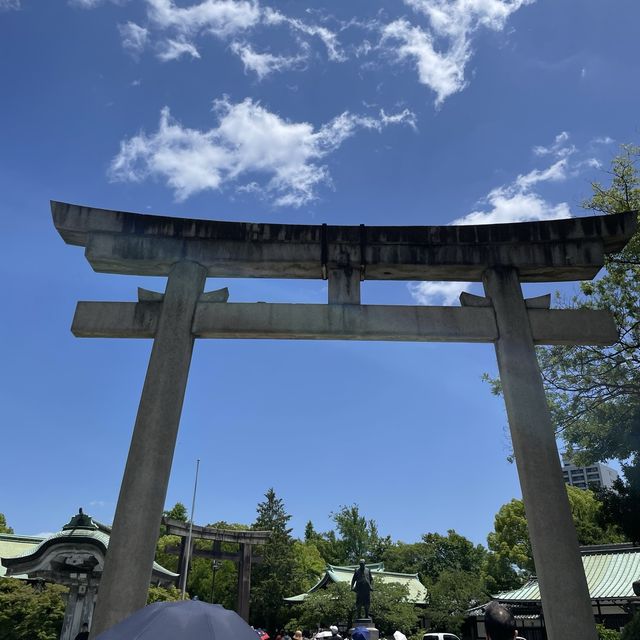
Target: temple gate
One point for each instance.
(501, 256)
(243, 558)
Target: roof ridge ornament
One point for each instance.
(80, 521)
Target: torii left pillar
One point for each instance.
(129, 559)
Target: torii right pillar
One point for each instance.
(566, 601)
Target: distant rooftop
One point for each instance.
(335, 573)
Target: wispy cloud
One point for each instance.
(603, 140)
(91, 4)
(559, 148)
(441, 49)
(263, 64)
(219, 17)
(174, 49)
(134, 37)
(251, 148)
(516, 201)
(442, 293)
(9, 5)
(328, 37)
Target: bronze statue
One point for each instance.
(362, 584)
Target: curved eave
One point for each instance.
(132, 243)
(95, 538)
(55, 540)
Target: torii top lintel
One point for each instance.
(140, 244)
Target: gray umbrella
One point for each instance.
(186, 620)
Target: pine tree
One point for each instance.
(273, 579)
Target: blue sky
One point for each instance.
(367, 111)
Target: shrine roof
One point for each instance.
(551, 250)
(610, 571)
(16, 545)
(334, 573)
(17, 552)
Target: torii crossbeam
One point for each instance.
(501, 256)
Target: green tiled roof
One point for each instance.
(12, 545)
(610, 571)
(17, 549)
(334, 573)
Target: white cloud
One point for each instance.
(91, 4)
(514, 202)
(443, 73)
(559, 148)
(175, 49)
(249, 143)
(603, 140)
(328, 38)
(442, 51)
(9, 5)
(262, 64)
(507, 204)
(555, 173)
(134, 37)
(220, 17)
(441, 293)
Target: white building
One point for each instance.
(594, 476)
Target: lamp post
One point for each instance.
(215, 565)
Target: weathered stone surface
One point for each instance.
(563, 586)
(348, 322)
(130, 243)
(129, 562)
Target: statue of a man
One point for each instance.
(362, 584)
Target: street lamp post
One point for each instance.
(215, 565)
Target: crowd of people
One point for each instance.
(298, 635)
(498, 621)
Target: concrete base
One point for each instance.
(367, 623)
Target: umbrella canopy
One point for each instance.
(182, 620)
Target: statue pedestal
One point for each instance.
(367, 623)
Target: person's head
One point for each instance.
(499, 622)
(85, 627)
(362, 563)
(297, 635)
(333, 629)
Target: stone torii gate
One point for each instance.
(244, 557)
(501, 256)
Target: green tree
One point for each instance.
(607, 634)
(594, 391)
(451, 596)
(324, 607)
(510, 539)
(452, 552)
(30, 613)
(163, 594)
(404, 558)
(177, 512)
(620, 504)
(4, 527)
(631, 630)
(391, 609)
(308, 564)
(359, 536)
(273, 579)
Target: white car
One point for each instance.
(439, 636)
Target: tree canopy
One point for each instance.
(510, 539)
(4, 527)
(594, 391)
